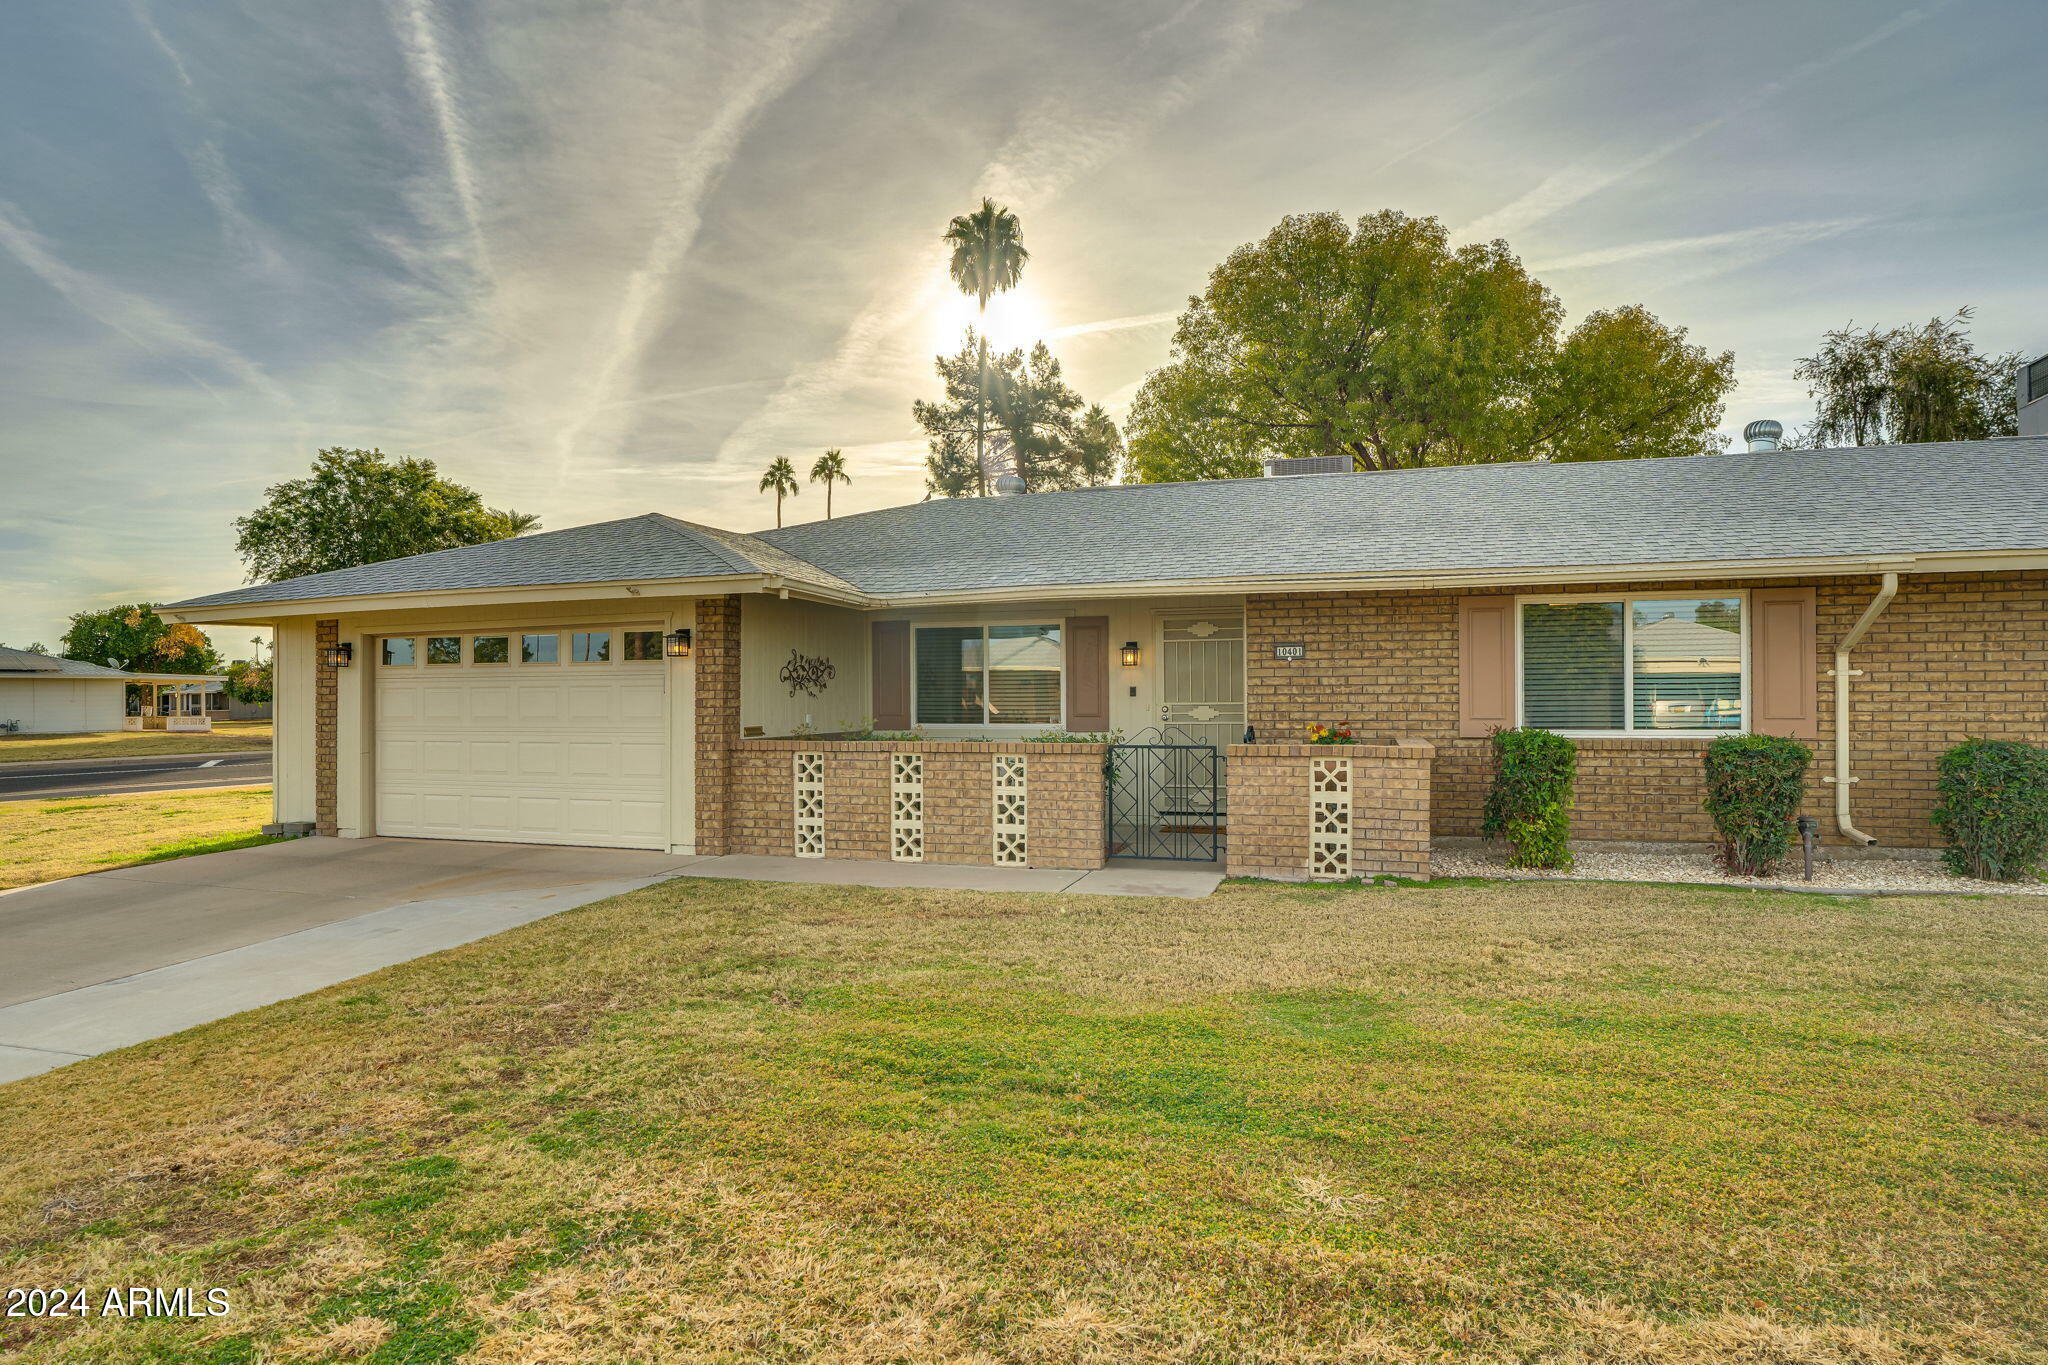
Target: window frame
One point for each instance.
(1027, 727)
(1628, 659)
(593, 633)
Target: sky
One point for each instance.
(603, 257)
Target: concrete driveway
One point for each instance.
(115, 958)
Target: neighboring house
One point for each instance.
(43, 695)
(521, 690)
(210, 698)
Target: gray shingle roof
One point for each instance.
(647, 546)
(1933, 498)
(24, 663)
(1944, 497)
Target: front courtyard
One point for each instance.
(724, 1121)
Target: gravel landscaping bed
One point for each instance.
(1896, 875)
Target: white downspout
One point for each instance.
(1841, 673)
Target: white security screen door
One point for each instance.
(1202, 678)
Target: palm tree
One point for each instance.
(830, 469)
(988, 258)
(781, 479)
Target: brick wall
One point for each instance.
(1269, 804)
(1955, 655)
(326, 708)
(715, 660)
(1063, 806)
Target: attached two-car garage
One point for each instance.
(524, 735)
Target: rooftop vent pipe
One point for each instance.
(1764, 434)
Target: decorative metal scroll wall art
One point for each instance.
(807, 675)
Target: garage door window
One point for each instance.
(539, 649)
(444, 649)
(490, 649)
(398, 652)
(590, 647)
(643, 646)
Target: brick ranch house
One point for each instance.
(653, 683)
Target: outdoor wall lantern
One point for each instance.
(678, 642)
(338, 656)
(1130, 653)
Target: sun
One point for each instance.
(1014, 320)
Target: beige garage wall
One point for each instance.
(292, 719)
(769, 629)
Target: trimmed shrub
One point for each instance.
(1530, 802)
(1993, 812)
(1754, 785)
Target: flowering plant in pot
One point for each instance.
(1331, 734)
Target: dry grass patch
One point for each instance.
(719, 1121)
(41, 841)
(227, 737)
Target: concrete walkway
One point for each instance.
(1122, 877)
(116, 958)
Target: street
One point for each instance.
(101, 777)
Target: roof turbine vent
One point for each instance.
(1764, 434)
(1009, 485)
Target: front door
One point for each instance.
(1202, 678)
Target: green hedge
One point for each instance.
(1993, 811)
(1529, 804)
(1754, 785)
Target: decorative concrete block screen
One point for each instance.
(1012, 831)
(1325, 812)
(906, 808)
(808, 785)
(988, 803)
(1329, 818)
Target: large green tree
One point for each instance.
(987, 259)
(361, 507)
(136, 638)
(1383, 343)
(1902, 385)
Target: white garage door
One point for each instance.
(526, 735)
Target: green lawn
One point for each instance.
(41, 841)
(732, 1122)
(227, 737)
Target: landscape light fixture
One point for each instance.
(678, 644)
(1130, 653)
(338, 656)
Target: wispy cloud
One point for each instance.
(1575, 184)
(1132, 323)
(1061, 138)
(210, 171)
(1745, 246)
(788, 53)
(147, 324)
(419, 41)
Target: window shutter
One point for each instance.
(889, 662)
(1783, 670)
(1486, 665)
(1088, 674)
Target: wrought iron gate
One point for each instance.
(1165, 801)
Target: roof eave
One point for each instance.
(1441, 579)
(260, 613)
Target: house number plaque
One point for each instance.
(1290, 651)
